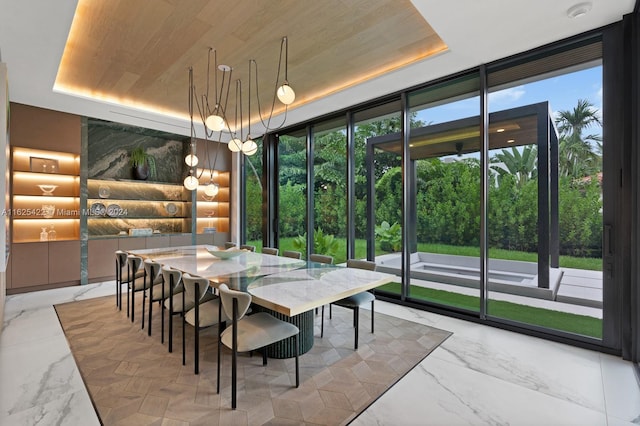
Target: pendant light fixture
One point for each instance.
(212, 113)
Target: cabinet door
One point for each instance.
(29, 264)
(158, 241)
(64, 262)
(180, 240)
(101, 260)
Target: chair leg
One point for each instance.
(128, 288)
(184, 360)
(372, 316)
(162, 314)
(264, 356)
(330, 312)
(219, 360)
(150, 301)
(322, 323)
(133, 297)
(197, 339)
(144, 295)
(356, 317)
(297, 363)
(171, 315)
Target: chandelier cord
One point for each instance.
(273, 103)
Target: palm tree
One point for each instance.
(577, 157)
(522, 165)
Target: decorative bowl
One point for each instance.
(47, 189)
(226, 254)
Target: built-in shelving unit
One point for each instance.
(212, 212)
(117, 207)
(45, 204)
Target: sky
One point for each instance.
(562, 92)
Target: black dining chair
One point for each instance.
(249, 333)
(203, 314)
(122, 278)
(355, 301)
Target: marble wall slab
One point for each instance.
(110, 144)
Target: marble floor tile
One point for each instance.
(622, 398)
(438, 392)
(480, 375)
(41, 385)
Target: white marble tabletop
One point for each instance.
(285, 285)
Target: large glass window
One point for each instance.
(545, 201)
(330, 189)
(292, 191)
(253, 197)
(382, 171)
(444, 146)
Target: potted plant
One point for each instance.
(143, 164)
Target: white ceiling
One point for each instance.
(33, 35)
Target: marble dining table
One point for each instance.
(288, 288)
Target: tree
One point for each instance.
(522, 165)
(577, 156)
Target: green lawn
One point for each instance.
(572, 323)
(593, 264)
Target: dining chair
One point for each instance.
(355, 301)
(249, 333)
(157, 289)
(203, 314)
(247, 247)
(121, 279)
(270, 250)
(229, 245)
(292, 254)
(174, 278)
(135, 284)
(321, 258)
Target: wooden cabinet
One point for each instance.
(45, 202)
(44, 264)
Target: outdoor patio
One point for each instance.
(572, 290)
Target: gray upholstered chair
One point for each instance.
(203, 314)
(174, 278)
(292, 254)
(157, 290)
(355, 301)
(247, 247)
(270, 250)
(229, 245)
(135, 284)
(321, 258)
(122, 278)
(248, 333)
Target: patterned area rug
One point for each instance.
(133, 379)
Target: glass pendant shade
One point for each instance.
(211, 190)
(214, 122)
(235, 145)
(190, 182)
(286, 94)
(249, 147)
(191, 160)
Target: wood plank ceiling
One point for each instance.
(137, 52)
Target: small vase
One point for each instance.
(141, 172)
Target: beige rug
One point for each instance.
(133, 380)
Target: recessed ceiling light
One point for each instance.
(500, 130)
(511, 141)
(578, 10)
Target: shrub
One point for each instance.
(389, 236)
(322, 244)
